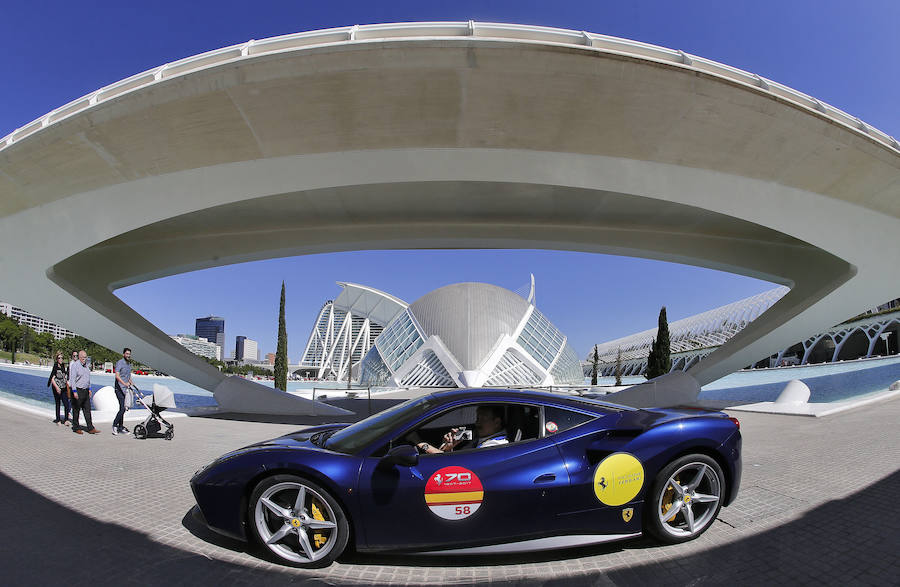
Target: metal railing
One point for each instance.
(448, 31)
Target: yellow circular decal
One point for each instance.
(618, 479)
(295, 523)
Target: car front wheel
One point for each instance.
(685, 499)
(298, 521)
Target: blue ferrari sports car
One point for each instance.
(477, 471)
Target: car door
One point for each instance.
(463, 498)
(586, 445)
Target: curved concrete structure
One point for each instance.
(447, 135)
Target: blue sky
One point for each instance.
(842, 53)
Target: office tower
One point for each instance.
(212, 328)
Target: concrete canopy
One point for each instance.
(447, 135)
(368, 302)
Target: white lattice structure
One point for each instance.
(346, 328)
(696, 337)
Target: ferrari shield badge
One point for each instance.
(627, 514)
(454, 493)
(618, 479)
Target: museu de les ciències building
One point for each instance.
(460, 335)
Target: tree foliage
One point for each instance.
(43, 344)
(595, 360)
(619, 367)
(659, 361)
(281, 360)
(11, 334)
(21, 337)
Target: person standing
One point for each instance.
(69, 389)
(123, 382)
(80, 382)
(59, 383)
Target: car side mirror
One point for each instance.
(404, 455)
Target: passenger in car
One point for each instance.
(489, 427)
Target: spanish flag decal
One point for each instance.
(454, 493)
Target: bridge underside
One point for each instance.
(446, 143)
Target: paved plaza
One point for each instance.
(819, 504)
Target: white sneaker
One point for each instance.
(114, 431)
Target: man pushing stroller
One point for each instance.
(123, 383)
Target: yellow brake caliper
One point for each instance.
(668, 498)
(319, 539)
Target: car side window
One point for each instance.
(461, 418)
(558, 420)
(479, 425)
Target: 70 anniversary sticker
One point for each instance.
(454, 493)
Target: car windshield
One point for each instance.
(352, 438)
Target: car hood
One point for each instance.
(299, 438)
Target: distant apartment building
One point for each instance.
(37, 323)
(197, 345)
(212, 328)
(270, 358)
(245, 349)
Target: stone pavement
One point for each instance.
(819, 504)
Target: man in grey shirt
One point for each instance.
(80, 383)
(122, 373)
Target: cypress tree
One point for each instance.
(664, 351)
(659, 361)
(619, 367)
(281, 359)
(595, 359)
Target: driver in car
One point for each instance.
(488, 426)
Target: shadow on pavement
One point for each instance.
(847, 541)
(49, 544)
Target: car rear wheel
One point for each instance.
(685, 499)
(298, 521)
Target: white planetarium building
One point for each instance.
(460, 335)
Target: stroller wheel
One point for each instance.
(140, 431)
(170, 433)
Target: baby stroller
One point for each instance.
(161, 398)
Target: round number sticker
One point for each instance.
(618, 479)
(551, 427)
(454, 493)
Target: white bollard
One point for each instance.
(104, 400)
(795, 392)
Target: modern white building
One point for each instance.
(346, 328)
(197, 345)
(471, 335)
(874, 332)
(37, 323)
